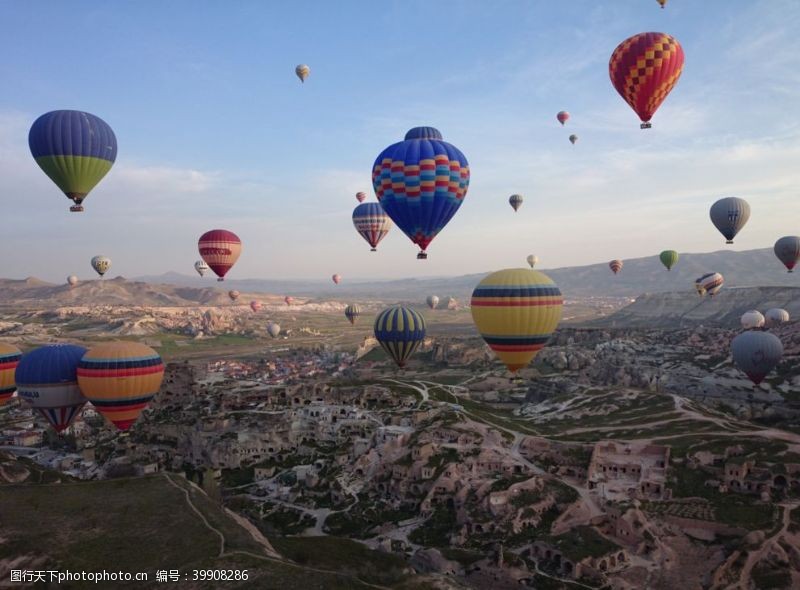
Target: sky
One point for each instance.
(214, 130)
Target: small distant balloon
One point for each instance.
(615, 266)
(515, 201)
(532, 260)
(101, 264)
(360, 196)
(709, 284)
(201, 267)
(787, 249)
(289, 300)
(662, 2)
(756, 353)
(273, 329)
(302, 72)
(233, 294)
(220, 249)
(432, 301)
(776, 316)
(255, 305)
(562, 117)
(729, 216)
(336, 278)
(371, 223)
(752, 319)
(669, 258)
(573, 138)
(351, 312)
(72, 280)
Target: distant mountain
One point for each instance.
(639, 275)
(675, 310)
(32, 292)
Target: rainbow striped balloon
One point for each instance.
(371, 223)
(120, 379)
(400, 331)
(516, 310)
(9, 359)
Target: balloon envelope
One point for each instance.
(72, 280)
(573, 138)
(532, 260)
(255, 305)
(75, 149)
(516, 310)
(371, 223)
(201, 267)
(47, 378)
(120, 379)
(288, 299)
(273, 329)
(9, 359)
(752, 319)
(360, 196)
(233, 294)
(101, 264)
(351, 312)
(432, 301)
(669, 258)
(710, 283)
(220, 249)
(756, 353)
(515, 201)
(787, 249)
(644, 69)
(729, 216)
(302, 71)
(400, 331)
(336, 279)
(776, 316)
(420, 183)
(615, 266)
(562, 117)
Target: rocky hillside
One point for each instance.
(685, 309)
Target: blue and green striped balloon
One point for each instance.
(400, 331)
(75, 149)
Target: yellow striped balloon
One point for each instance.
(516, 310)
(400, 331)
(120, 379)
(9, 359)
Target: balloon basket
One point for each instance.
(645, 126)
(373, 249)
(220, 279)
(729, 242)
(422, 256)
(76, 208)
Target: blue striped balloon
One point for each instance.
(399, 331)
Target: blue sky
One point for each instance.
(215, 130)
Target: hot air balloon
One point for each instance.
(776, 316)
(710, 283)
(9, 359)
(729, 216)
(515, 201)
(255, 305)
(273, 329)
(451, 303)
(573, 138)
(47, 378)
(532, 260)
(644, 69)
(72, 280)
(371, 223)
(360, 196)
(562, 117)
(120, 379)
(220, 249)
(615, 266)
(351, 312)
(75, 149)
(701, 290)
(233, 294)
(288, 299)
(787, 249)
(432, 301)
(101, 264)
(662, 2)
(515, 311)
(302, 72)
(201, 267)
(420, 183)
(337, 278)
(400, 331)
(752, 319)
(669, 258)
(756, 353)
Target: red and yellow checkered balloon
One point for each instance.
(644, 69)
